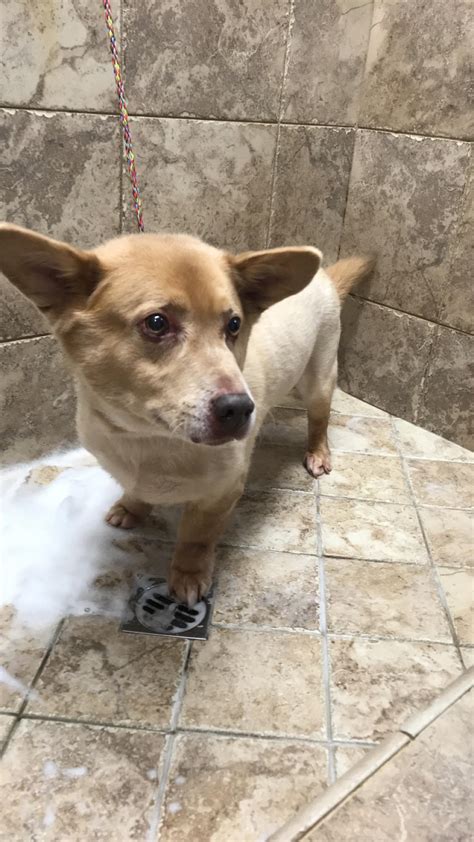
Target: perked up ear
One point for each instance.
(264, 277)
(53, 275)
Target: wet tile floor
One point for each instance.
(342, 606)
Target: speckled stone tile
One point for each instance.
(376, 684)
(279, 467)
(458, 586)
(413, 188)
(417, 442)
(387, 599)
(210, 58)
(262, 588)
(347, 757)
(133, 677)
(450, 535)
(213, 179)
(459, 293)
(406, 86)
(422, 793)
(21, 653)
(6, 724)
(262, 682)
(346, 404)
(274, 520)
(86, 782)
(446, 406)
(327, 57)
(378, 531)
(361, 435)
(37, 403)
(310, 190)
(55, 60)
(79, 155)
(367, 478)
(391, 377)
(228, 789)
(292, 401)
(442, 483)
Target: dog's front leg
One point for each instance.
(193, 562)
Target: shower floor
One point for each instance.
(341, 607)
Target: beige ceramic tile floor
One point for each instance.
(342, 606)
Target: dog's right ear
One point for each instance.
(53, 275)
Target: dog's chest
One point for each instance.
(166, 472)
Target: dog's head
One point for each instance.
(156, 326)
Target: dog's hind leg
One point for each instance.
(316, 388)
(127, 512)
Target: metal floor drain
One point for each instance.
(153, 611)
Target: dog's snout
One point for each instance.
(232, 412)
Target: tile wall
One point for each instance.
(262, 123)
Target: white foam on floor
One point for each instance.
(54, 542)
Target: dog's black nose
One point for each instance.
(233, 412)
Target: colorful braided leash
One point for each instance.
(127, 135)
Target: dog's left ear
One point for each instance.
(264, 277)
(52, 274)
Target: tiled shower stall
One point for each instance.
(256, 124)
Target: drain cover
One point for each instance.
(153, 611)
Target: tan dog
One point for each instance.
(179, 350)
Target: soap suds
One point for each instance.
(54, 542)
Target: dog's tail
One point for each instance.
(348, 272)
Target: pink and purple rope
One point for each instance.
(127, 135)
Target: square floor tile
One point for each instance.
(231, 790)
(458, 586)
(367, 478)
(274, 520)
(279, 467)
(21, 652)
(442, 483)
(6, 724)
(347, 757)
(361, 435)
(346, 404)
(375, 685)
(262, 682)
(379, 531)
(388, 599)
(416, 442)
(75, 782)
(262, 588)
(96, 672)
(450, 535)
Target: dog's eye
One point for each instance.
(233, 325)
(155, 326)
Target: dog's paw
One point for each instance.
(188, 587)
(317, 464)
(120, 517)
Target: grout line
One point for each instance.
(323, 624)
(108, 112)
(281, 105)
(436, 576)
(420, 318)
(154, 833)
(94, 723)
